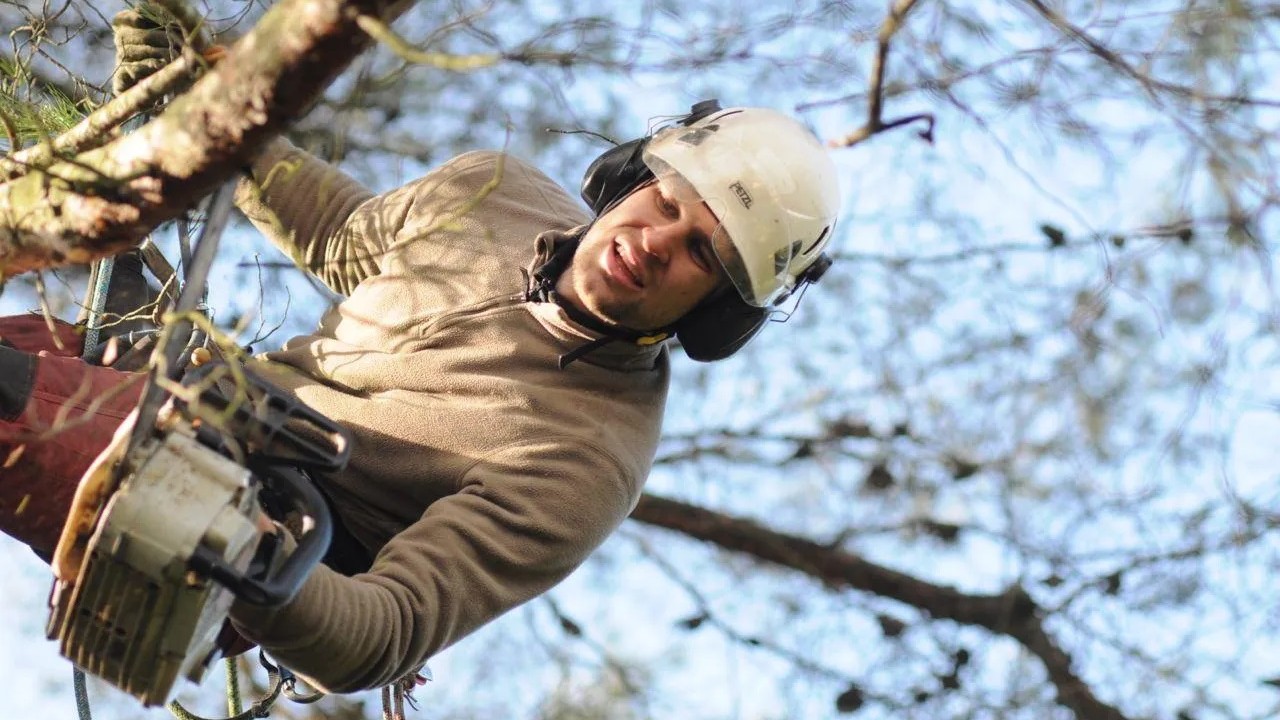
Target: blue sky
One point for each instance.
(877, 319)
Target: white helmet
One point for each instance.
(771, 184)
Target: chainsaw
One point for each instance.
(175, 519)
(161, 539)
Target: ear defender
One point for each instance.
(621, 169)
(613, 175)
(720, 328)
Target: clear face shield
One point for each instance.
(758, 199)
(673, 185)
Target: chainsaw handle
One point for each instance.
(283, 583)
(273, 426)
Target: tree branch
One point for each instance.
(875, 103)
(1149, 83)
(107, 199)
(1012, 612)
(92, 130)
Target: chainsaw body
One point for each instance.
(137, 615)
(164, 535)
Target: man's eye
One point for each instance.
(703, 255)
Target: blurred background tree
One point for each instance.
(1013, 458)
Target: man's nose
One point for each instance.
(660, 241)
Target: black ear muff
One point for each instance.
(720, 328)
(615, 174)
(619, 170)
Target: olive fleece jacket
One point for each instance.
(481, 474)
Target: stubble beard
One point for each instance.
(612, 311)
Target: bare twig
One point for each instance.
(380, 31)
(93, 130)
(875, 105)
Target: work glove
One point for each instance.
(147, 38)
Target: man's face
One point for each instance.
(646, 262)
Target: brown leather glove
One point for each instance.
(148, 37)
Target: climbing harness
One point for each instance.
(279, 682)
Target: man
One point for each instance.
(499, 359)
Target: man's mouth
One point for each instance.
(623, 271)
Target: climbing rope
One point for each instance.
(82, 693)
(279, 682)
(100, 282)
(234, 704)
(259, 709)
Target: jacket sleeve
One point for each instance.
(520, 524)
(319, 216)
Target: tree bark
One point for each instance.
(106, 200)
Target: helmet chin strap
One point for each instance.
(541, 287)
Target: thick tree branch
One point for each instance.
(107, 199)
(1013, 612)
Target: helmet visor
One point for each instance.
(676, 187)
(774, 223)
